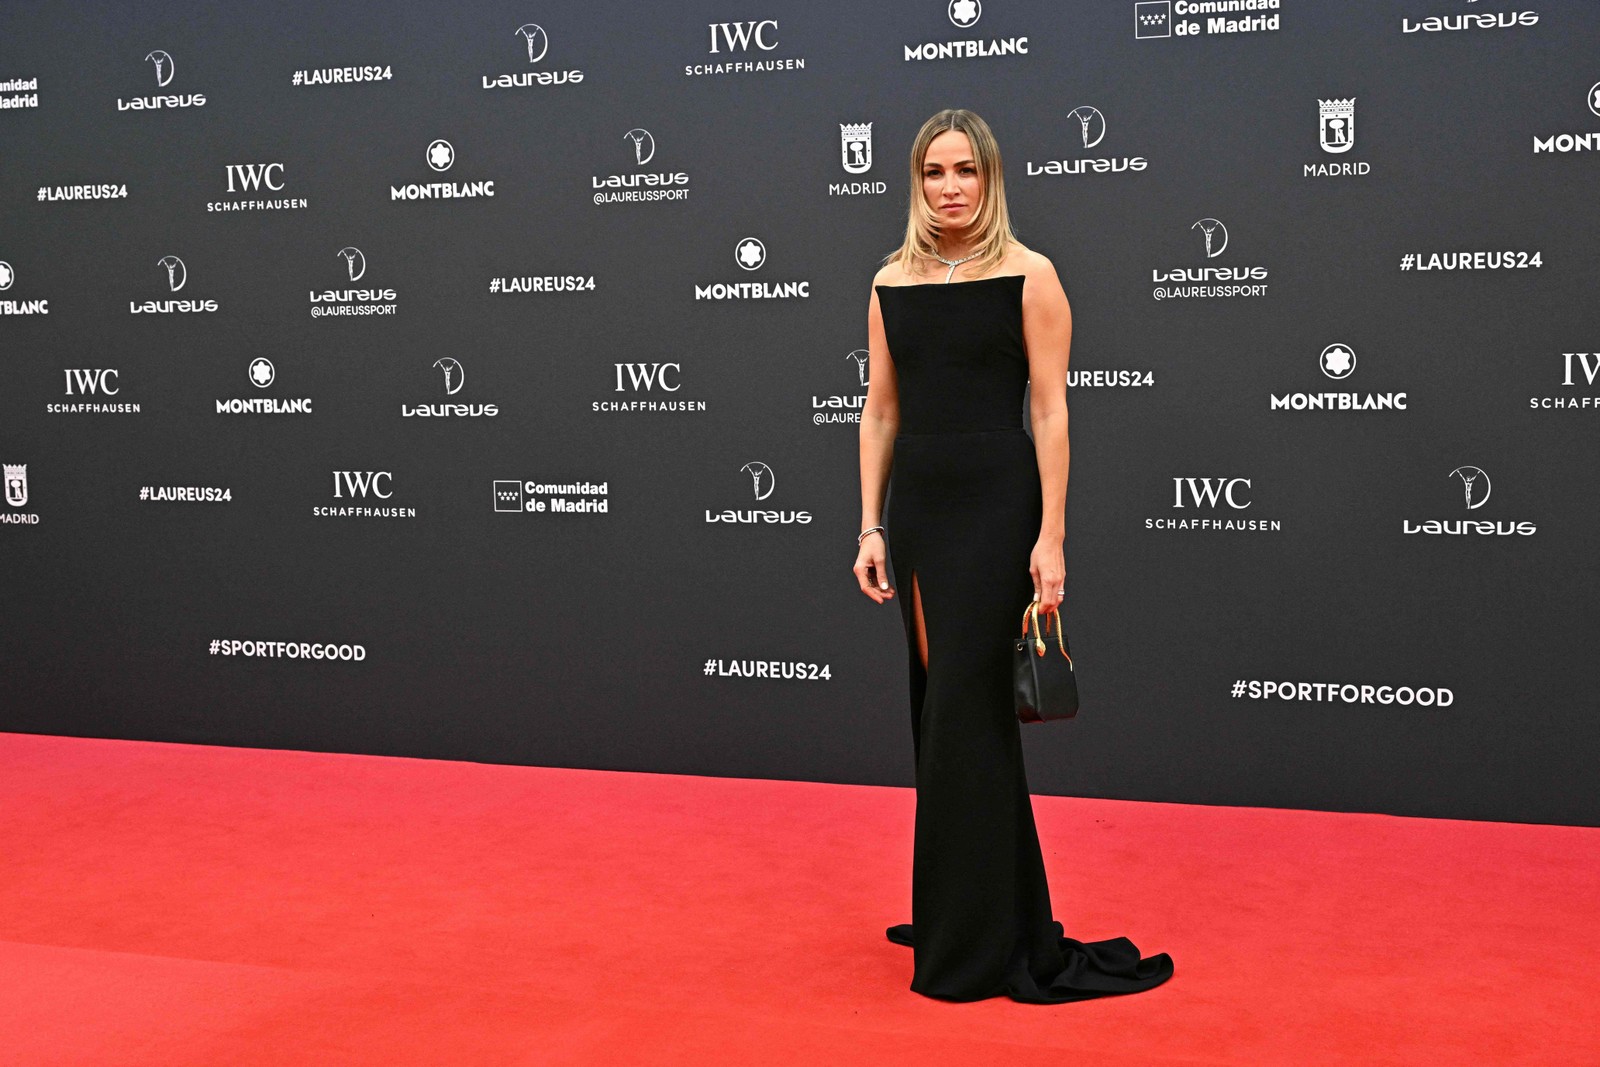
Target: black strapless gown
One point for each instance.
(963, 514)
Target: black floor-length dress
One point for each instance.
(963, 514)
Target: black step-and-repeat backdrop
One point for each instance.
(480, 381)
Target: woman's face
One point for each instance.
(951, 182)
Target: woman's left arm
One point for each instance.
(1047, 332)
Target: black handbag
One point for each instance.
(1044, 683)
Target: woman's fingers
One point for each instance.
(873, 576)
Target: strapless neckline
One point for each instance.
(946, 285)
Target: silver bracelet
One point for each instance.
(870, 529)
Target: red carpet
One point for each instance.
(178, 905)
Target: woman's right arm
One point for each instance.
(880, 421)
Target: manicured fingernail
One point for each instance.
(883, 585)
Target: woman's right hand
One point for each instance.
(871, 571)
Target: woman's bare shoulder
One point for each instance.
(891, 273)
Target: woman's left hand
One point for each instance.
(1049, 569)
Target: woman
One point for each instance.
(960, 319)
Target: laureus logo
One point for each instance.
(454, 375)
(1215, 244)
(538, 41)
(761, 475)
(1474, 494)
(1091, 124)
(355, 263)
(165, 68)
(860, 358)
(1474, 483)
(177, 273)
(644, 145)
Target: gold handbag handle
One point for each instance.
(1032, 612)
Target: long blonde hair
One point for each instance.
(991, 221)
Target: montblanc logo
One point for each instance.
(640, 186)
(176, 276)
(17, 496)
(1578, 368)
(855, 154)
(249, 180)
(165, 68)
(1090, 127)
(1573, 142)
(762, 482)
(1212, 494)
(1337, 134)
(535, 42)
(440, 156)
(454, 376)
(1473, 492)
(345, 301)
(1208, 281)
(1500, 20)
(8, 278)
(844, 408)
(261, 374)
(363, 495)
(91, 389)
(964, 15)
(1153, 18)
(751, 255)
(650, 386)
(1338, 361)
(753, 40)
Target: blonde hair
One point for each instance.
(991, 222)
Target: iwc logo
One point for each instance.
(762, 482)
(91, 390)
(1337, 132)
(651, 387)
(754, 41)
(1473, 490)
(1212, 494)
(440, 156)
(165, 68)
(536, 43)
(1578, 369)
